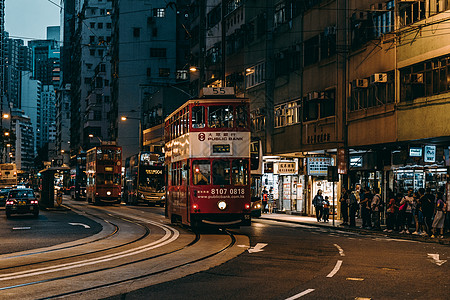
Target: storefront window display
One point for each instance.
(415, 178)
(287, 191)
(327, 190)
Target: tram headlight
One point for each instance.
(222, 205)
(108, 193)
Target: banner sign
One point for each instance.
(284, 168)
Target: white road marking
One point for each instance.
(242, 246)
(257, 248)
(21, 228)
(336, 269)
(166, 239)
(341, 251)
(435, 259)
(301, 294)
(80, 224)
(354, 279)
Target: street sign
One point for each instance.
(332, 174)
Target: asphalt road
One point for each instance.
(24, 232)
(270, 260)
(316, 263)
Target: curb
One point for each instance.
(445, 241)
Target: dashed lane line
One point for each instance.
(306, 292)
(336, 269)
(341, 251)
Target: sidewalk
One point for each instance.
(312, 221)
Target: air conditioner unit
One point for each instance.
(360, 83)
(378, 78)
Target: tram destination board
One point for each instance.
(221, 148)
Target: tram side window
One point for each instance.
(201, 172)
(198, 117)
(221, 172)
(220, 116)
(240, 172)
(241, 116)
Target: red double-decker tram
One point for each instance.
(103, 170)
(208, 160)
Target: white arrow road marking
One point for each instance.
(258, 248)
(301, 294)
(80, 224)
(336, 269)
(435, 259)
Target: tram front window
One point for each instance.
(198, 117)
(220, 116)
(202, 172)
(221, 172)
(240, 172)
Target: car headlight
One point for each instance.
(258, 205)
(222, 205)
(108, 193)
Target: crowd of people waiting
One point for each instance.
(421, 212)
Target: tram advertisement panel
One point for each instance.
(207, 144)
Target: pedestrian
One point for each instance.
(400, 212)
(270, 201)
(427, 204)
(415, 213)
(375, 208)
(391, 212)
(365, 208)
(326, 209)
(344, 200)
(407, 201)
(318, 204)
(439, 217)
(422, 206)
(264, 200)
(354, 199)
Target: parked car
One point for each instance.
(22, 201)
(3, 195)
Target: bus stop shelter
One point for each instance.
(48, 186)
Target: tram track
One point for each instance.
(116, 230)
(111, 284)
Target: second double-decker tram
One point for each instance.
(208, 161)
(103, 170)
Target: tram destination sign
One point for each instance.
(222, 148)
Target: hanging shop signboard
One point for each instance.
(415, 151)
(284, 168)
(430, 154)
(318, 166)
(356, 161)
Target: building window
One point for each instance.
(136, 32)
(255, 75)
(157, 52)
(366, 94)
(164, 72)
(411, 13)
(97, 115)
(311, 51)
(100, 52)
(280, 14)
(92, 52)
(159, 12)
(154, 32)
(91, 39)
(92, 24)
(108, 25)
(328, 42)
(102, 12)
(149, 72)
(100, 25)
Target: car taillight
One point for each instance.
(34, 202)
(195, 206)
(10, 202)
(247, 206)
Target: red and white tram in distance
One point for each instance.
(208, 160)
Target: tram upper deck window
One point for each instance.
(220, 116)
(221, 172)
(201, 172)
(241, 116)
(198, 117)
(239, 172)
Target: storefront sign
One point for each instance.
(318, 166)
(342, 160)
(430, 154)
(356, 161)
(284, 168)
(415, 151)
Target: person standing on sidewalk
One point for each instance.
(390, 212)
(270, 202)
(318, 204)
(408, 201)
(326, 209)
(427, 203)
(365, 208)
(439, 217)
(344, 206)
(353, 203)
(376, 206)
(264, 200)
